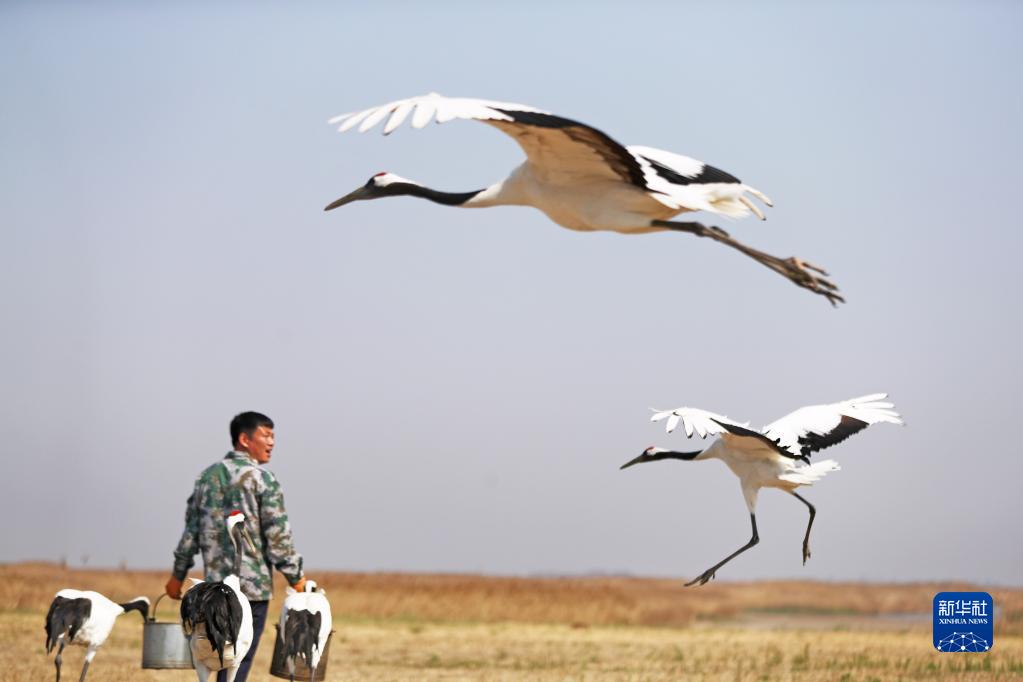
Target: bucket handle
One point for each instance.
(152, 618)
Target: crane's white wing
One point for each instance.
(694, 420)
(559, 150)
(736, 434)
(814, 428)
(427, 108)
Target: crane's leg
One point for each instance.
(89, 655)
(57, 659)
(709, 573)
(799, 271)
(806, 538)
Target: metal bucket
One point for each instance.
(164, 645)
(279, 664)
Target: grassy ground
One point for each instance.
(410, 627)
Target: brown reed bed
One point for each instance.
(570, 600)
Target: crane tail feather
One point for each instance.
(753, 207)
(808, 475)
(760, 195)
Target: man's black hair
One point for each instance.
(247, 423)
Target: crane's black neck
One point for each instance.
(140, 605)
(238, 549)
(436, 196)
(673, 454)
(657, 456)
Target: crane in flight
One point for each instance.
(777, 456)
(582, 179)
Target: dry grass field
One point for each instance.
(461, 627)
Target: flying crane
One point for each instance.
(582, 179)
(777, 456)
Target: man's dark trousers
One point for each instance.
(259, 609)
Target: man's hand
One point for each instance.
(300, 585)
(173, 588)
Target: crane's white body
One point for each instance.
(621, 208)
(314, 601)
(101, 620)
(203, 654)
(759, 467)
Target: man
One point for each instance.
(238, 482)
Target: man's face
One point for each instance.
(259, 445)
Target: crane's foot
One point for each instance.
(806, 552)
(802, 274)
(704, 577)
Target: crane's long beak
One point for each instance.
(639, 460)
(357, 195)
(248, 541)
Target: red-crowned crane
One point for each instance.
(216, 615)
(84, 618)
(305, 627)
(777, 456)
(582, 179)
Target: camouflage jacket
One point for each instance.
(237, 482)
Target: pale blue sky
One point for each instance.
(455, 390)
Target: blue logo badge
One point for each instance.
(964, 621)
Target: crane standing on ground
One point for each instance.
(304, 628)
(216, 615)
(84, 618)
